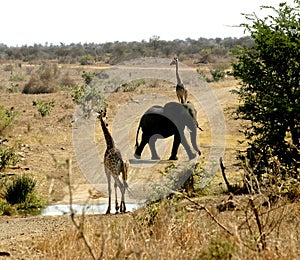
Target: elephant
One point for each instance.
(165, 121)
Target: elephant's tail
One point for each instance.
(137, 137)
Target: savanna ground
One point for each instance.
(181, 229)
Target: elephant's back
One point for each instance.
(155, 110)
(157, 123)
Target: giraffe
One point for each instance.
(180, 89)
(113, 166)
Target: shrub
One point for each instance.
(19, 189)
(217, 74)
(42, 81)
(44, 107)
(33, 203)
(270, 91)
(48, 72)
(77, 94)
(8, 68)
(6, 118)
(8, 157)
(6, 208)
(67, 81)
(88, 96)
(36, 86)
(131, 86)
(86, 60)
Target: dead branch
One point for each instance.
(223, 168)
(202, 207)
(262, 235)
(78, 226)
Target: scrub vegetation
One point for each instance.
(249, 210)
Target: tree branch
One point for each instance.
(79, 226)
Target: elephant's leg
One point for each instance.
(187, 147)
(175, 146)
(154, 155)
(140, 148)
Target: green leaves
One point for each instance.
(44, 108)
(270, 91)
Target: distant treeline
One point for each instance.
(200, 51)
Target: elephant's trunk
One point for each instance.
(137, 153)
(199, 128)
(193, 135)
(137, 136)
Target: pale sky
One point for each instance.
(37, 21)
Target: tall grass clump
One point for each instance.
(19, 189)
(8, 156)
(17, 195)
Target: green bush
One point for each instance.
(6, 118)
(17, 195)
(44, 107)
(270, 91)
(88, 96)
(19, 190)
(7, 209)
(77, 94)
(8, 156)
(217, 74)
(32, 204)
(86, 60)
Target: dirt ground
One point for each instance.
(46, 145)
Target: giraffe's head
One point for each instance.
(102, 115)
(174, 61)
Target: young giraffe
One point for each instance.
(114, 166)
(180, 89)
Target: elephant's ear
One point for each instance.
(191, 113)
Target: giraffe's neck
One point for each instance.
(179, 82)
(108, 138)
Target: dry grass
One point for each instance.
(179, 230)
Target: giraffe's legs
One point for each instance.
(116, 205)
(122, 206)
(108, 176)
(185, 96)
(122, 188)
(180, 99)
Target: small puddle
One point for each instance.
(89, 209)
